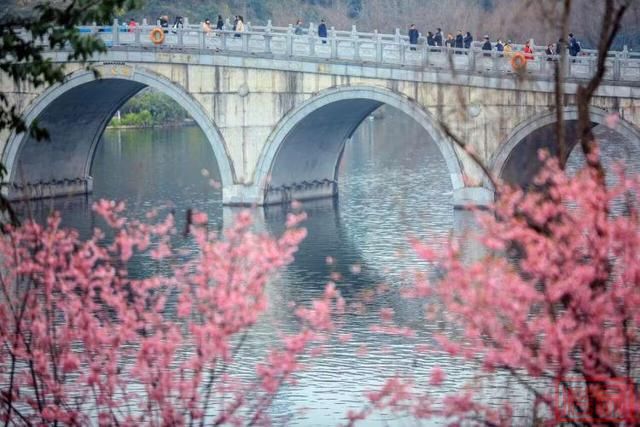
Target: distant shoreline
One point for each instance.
(162, 126)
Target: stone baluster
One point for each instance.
(115, 32)
(202, 39)
(617, 65)
(425, 55)
(312, 39)
(397, 40)
(356, 45)
(290, 40)
(472, 58)
(223, 40)
(378, 40)
(333, 43)
(136, 35)
(245, 41)
(267, 37)
(496, 60)
(180, 33)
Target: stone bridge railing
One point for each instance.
(387, 50)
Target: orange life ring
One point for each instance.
(518, 61)
(157, 36)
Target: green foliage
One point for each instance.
(140, 119)
(23, 41)
(150, 108)
(49, 26)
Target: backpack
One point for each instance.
(575, 45)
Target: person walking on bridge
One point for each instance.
(574, 46)
(239, 26)
(468, 39)
(508, 49)
(322, 31)
(430, 39)
(220, 23)
(438, 38)
(486, 46)
(206, 26)
(298, 28)
(528, 51)
(413, 36)
(459, 41)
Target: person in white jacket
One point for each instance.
(240, 26)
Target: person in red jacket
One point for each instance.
(528, 51)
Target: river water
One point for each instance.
(393, 185)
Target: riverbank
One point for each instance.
(186, 123)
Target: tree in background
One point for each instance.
(151, 108)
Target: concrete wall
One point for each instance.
(277, 127)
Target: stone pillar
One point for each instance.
(289, 40)
(245, 42)
(379, 52)
(466, 197)
(115, 32)
(180, 32)
(333, 43)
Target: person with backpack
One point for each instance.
(438, 38)
(413, 36)
(459, 43)
(322, 31)
(574, 45)
(487, 46)
(468, 39)
(178, 23)
(430, 39)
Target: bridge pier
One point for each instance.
(466, 197)
(242, 195)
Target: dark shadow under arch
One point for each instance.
(302, 155)
(75, 113)
(516, 161)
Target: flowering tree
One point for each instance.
(553, 303)
(84, 342)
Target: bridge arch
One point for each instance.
(301, 157)
(75, 113)
(516, 160)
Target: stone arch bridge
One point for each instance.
(277, 108)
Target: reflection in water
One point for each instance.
(393, 185)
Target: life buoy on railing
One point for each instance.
(518, 62)
(157, 36)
